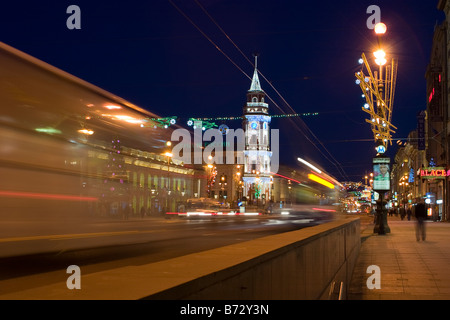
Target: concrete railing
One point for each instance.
(309, 264)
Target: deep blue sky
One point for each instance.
(148, 53)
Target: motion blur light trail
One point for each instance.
(47, 196)
(317, 179)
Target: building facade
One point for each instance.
(444, 36)
(426, 150)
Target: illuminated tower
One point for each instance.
(257, 174)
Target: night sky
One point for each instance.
(150, 54)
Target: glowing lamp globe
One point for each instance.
(380, 28)
(380, 62)
(380, 57)
(380, 54)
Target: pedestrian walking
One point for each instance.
(402, 213)
(391, 212)
(408, 214)
(421, 215)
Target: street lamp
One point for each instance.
(380, 58)
(378, 89)
(169, 155)
(380, 28)
(210, 176)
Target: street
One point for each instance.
(133, 242)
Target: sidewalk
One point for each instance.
(410, 270)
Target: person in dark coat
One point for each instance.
(402, 212)
(408, 214)
(421, 215)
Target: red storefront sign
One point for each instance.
(434, 173)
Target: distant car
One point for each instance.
(305, 213)
(202, 207)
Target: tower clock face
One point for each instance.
(254, 125)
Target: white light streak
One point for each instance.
(309, 165)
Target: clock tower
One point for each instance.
(256, 121)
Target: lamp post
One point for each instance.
(378, 89)
(404, 188)
(402, 191)
(169, 155)
(238, 183)
(209, 177)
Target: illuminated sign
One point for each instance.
(381, 149)
(434, 173)
(382, 179)
(381, 160)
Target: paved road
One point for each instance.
(122, 243)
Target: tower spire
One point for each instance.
(255, 86)
(257, 153)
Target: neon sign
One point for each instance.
(434, 173)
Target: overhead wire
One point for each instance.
(206, 36)
(335, 163)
